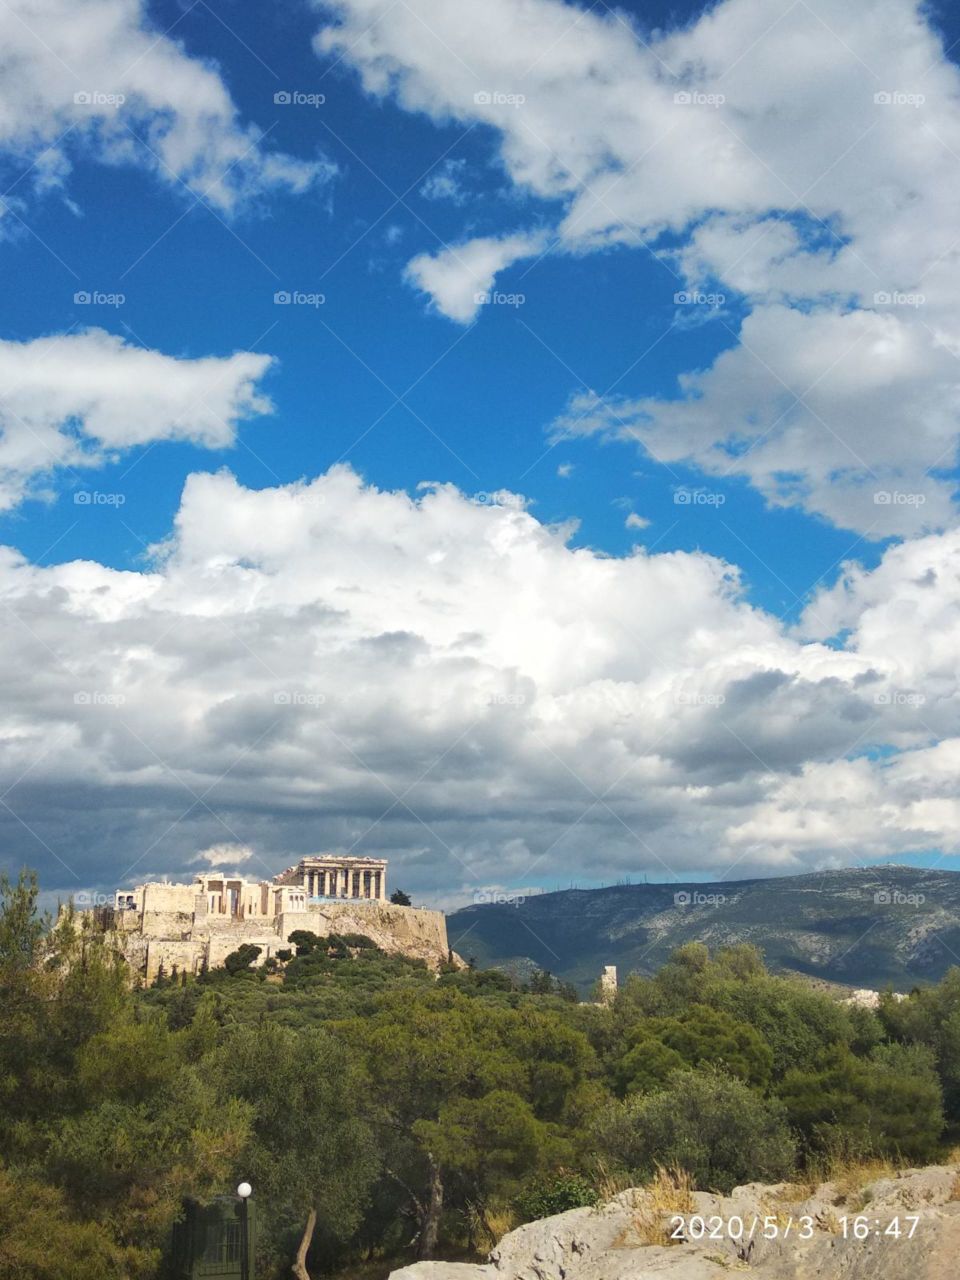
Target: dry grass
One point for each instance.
(670, 1193)
(851, 1178)
(609, 1185)
(497, 1222)
(794, 1192)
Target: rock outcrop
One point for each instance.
(909, 1224)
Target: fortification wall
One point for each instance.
(172, 954)
(169, 897)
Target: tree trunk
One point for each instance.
(430, 1227)
(300, 1266)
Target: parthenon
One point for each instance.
(338, 876)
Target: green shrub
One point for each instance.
(722, 1132)
(544, 1196)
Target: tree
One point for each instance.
(469, 1096)
(22, 928)
(311, 1154)
(239, 961)
(889, 1103)
(487, 1144)
(32, 1215)
(304, 941)
(400, 899)
(722, 1132)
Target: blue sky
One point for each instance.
(399, 166)
(481, 400)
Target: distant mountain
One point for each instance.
(865, 927)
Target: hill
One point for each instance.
(865, 927)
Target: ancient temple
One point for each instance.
(338, 876)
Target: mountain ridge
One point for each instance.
(864, 926)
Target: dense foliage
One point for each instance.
(384, 1112)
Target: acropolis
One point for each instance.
(189, 926)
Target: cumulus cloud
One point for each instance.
(96, 76)
(230, 856)
(451, 683)
(73, 400)
(459, 278)
(779, 154)
(810, 407)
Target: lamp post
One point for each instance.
(244, 1191)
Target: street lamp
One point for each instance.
(244, 1191)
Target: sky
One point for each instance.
(512, 437)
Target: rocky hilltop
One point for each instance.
(863, 927)
(169, 927)
(898, 1228)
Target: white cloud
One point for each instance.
(451, 683)
(460, 277)
(792, 150)
(810, 407)
(72, 400)
(446, 183)
(226, 855)
(633, 521)
(98, 76)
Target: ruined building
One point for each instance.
(188, 926)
